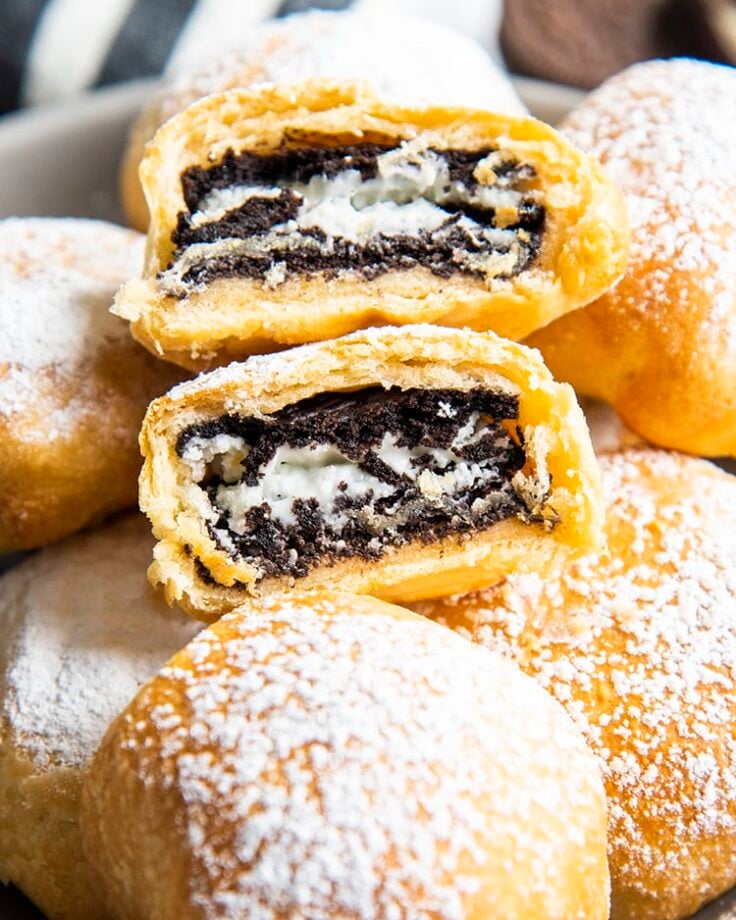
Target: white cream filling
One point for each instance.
(221, 455)
(346, 207)
(405, 197)
(299, 473)
(322, 473)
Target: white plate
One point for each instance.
(63, 161)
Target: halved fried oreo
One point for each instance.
(397, 461)
(301, 212)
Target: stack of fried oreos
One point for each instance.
(353, 271)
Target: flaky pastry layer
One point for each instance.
(581, 251)
(557, 482)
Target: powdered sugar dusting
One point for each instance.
(81, 632)
(331, 762)
(58, 278)
(398, 55)
(665, 132)
(640, 647)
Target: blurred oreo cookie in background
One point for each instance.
(583, 42)
(720, 18)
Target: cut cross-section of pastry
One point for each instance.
(296, 213)
(352, 44)
(400, 462)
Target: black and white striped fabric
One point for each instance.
(51, 49)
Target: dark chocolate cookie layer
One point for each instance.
(299, 164)
(434, 251)
(440, 250)
(355, 425)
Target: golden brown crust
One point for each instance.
(155, 113)
(326, 755)
(660, 345)
(583, 251)
(73, 385)
(407, 357)
(638, 645)
(40, 838)
(50, 490)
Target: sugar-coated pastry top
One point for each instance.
(81, 632)
(665, 133)
(273, 372)
(58, 277)
(640, 647)
(329, 755)
(660, 345)
(406, 58)
(74, 385)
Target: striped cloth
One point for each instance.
(52, 49)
